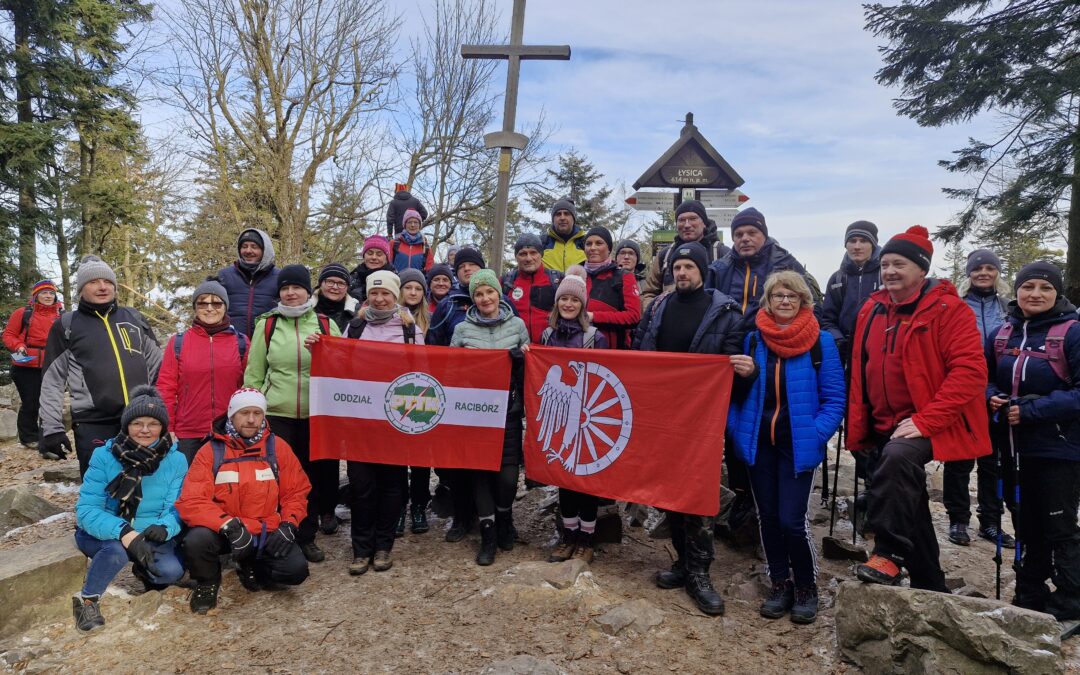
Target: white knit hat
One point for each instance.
(385, 279)
(246, 398)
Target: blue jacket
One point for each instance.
(97, 513)
(720, 331)
(845, 294)
(1049, 407)
(990, 312)
(448, 314)
(251, 292)
(815, 403)
(743, 280)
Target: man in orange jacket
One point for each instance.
(917, 379)
(245, 494)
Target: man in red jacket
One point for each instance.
(245, 497)
(531, 287)
(917, 380)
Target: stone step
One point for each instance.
(37, 582)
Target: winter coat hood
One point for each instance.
(268, 249)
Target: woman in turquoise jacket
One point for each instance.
(126, 509)
(790, 407)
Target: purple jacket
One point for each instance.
(391, 331)
(571, 334)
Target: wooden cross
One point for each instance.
(507, 140)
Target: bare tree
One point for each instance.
(289, 80)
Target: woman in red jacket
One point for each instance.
(614, 302)
(25, 336)
(201, 368)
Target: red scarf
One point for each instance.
(794, 339)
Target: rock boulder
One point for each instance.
(19, 506)
(37, 582)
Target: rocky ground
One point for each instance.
(437, 612)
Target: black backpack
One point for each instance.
(270, 457)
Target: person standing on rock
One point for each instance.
(251, 281)
(245, 496)
(568, 326)
(564, 242)
(1035, 392)
(916, 377)
(692, 223)
(531, 286)
(780, 422)
(126, 511)
(697, 320)
(24, 336)
(100, 352)
(614, 301)
(410, 249)
(375, 257)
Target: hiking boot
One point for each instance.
(246, 575)
(140, 573)
(87, 613)
(359, 565)
(486, 555)
(419, 520)
(584, 550)
(312, 552)
(328, 523)
(699, 587)
(30, 444)
(399, 529)
(457, 531)
(504, 530)
(878, 570)
(1063, 606)
(382, 561)
(990, 533)
(805, 608)
(204, 598)
(780, 600)
(564, 550)
(958, 534)
(673, 578)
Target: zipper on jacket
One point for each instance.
(746, 289)
(776, 410)
(212, 373)
(116, 353)
(884, 354)
(299, 374)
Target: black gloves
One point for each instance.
(281, 540)
(53, 446)
(142, 553)
(241, 541)
(156, 533)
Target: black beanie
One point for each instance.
(750, 216)
(334, 270)
(862, 228)
(691, 250)
(601, 232)
(145, 401)
(528, 240)
(297, 275)
(692, 206)
(468, 255)
(253, 236)
(1040, 270)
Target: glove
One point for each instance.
(156, 533)
(281, 540)
(241, 541)
(142, 553)
(53, 446)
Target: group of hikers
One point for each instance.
(201, 449)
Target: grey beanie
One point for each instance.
(211, 287)
(982, 256)
(564, 205)
(864, 229)
(145, 401)
(528, 240)
(92, 267)
(412, 274)
(630, 244)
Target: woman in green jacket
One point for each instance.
(490, 324)
(280, 366)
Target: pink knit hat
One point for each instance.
(377, 241)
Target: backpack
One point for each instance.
(241, 344)
(271, 324)
(587, 340)
(408, 330)
(270, 457)
(28, 314)
(1054, 355)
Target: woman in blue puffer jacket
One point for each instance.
(789, 408)
(126, 509)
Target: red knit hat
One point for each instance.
(914, 244)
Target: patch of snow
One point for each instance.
(43, 521)
(63, 488)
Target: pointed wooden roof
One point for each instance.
(691, 162)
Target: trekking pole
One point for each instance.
(836, 478)
(1001, 505)
(1016, 493)
(825, 477)
(855, 512)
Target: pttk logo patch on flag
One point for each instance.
(644, 427)
(408, 405)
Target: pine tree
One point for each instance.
(574, 179)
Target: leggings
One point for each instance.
(495, 490)
(578, 505)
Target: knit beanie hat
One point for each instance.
(484, 277)
(468, 255)
(145, 401)
(914, 244)
(601, 232)
(211, 287)
(564, 205)
(1040, 270)
(91, 268)
(980, 257)
(250, 235)
(442, 269)
(411, 213)
(385, 279)
(630, 244)
(412, 274)
(574, 284)
(528, 240)
(692, 206)
(750, 216)
(336, 270)
(297, 275)
(693, 251)
(861, 228)
(43, 285)
(377, 241)
(246, 397)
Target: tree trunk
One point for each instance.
(62, 247)
(27, 208)
(1072, 265)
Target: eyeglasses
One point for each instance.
(209, 305)
(686, 220)
(329, 283)
(147, 426)
(784, 297)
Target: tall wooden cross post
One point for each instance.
(508, 140)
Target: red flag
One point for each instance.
(408, 405)
(644, 427)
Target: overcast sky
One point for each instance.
(783, 89)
